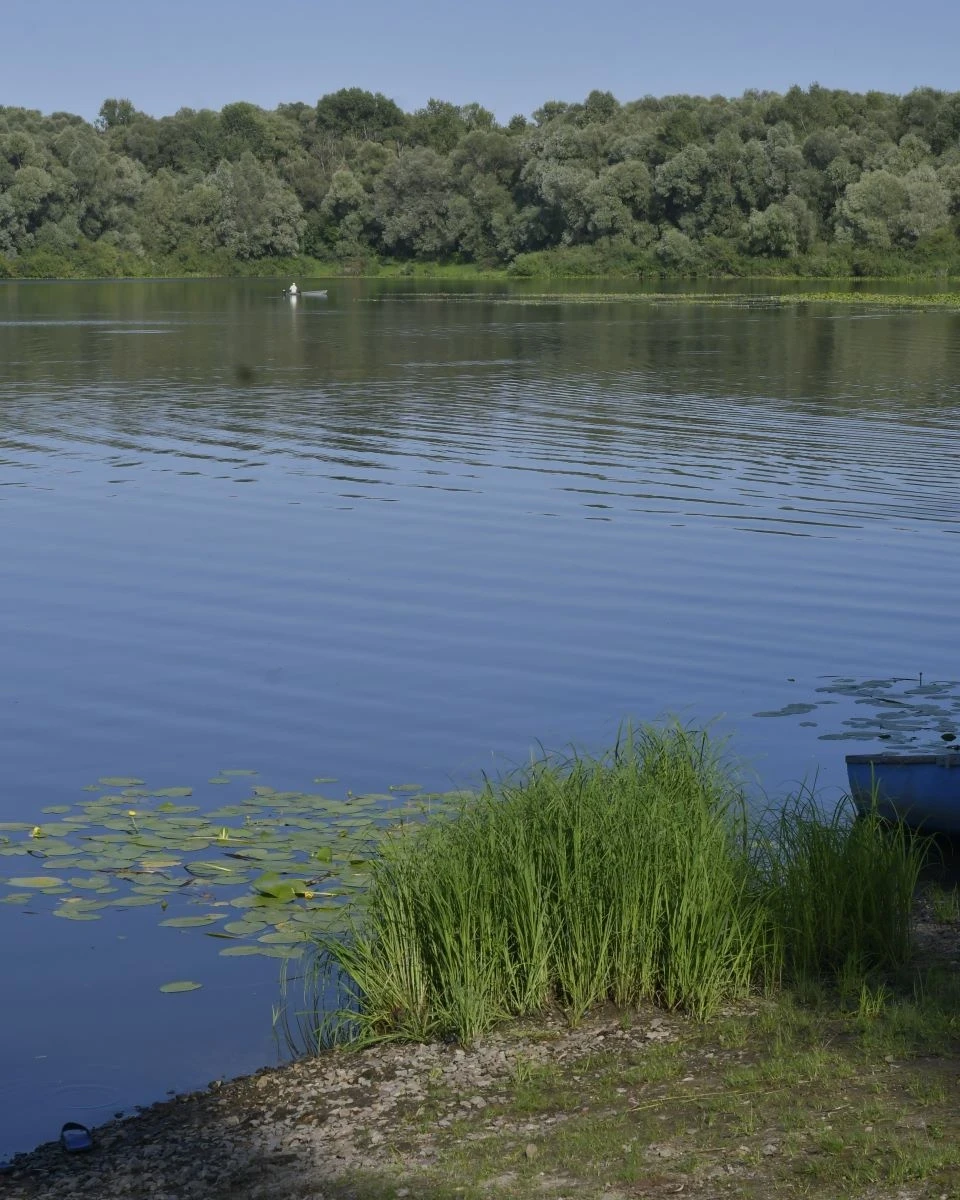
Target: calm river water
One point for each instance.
(392, 536)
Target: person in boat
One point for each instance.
(292, 290)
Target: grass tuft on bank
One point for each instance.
(636, 877)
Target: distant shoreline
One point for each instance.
(467, 273)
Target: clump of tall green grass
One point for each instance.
(839, 890)
(634, 877)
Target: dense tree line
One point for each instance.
(816, 181)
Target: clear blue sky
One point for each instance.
(509, 55)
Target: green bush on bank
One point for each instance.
(635, 877)
(101, 260)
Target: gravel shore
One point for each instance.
(294, 1131)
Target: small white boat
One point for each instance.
(295, 293)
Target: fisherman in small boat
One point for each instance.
(292, 290)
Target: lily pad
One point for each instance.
(275, 888)
(287, 937)
(180, 985)
(192, 922)
(71, 913)
(788, 710)
(245, 928)
(35, 881)
(119, 781)
(92, 882)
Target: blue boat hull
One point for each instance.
(923, 790)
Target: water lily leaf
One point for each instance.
(260, 790)
(279, 889)
(192, 922)
(239, 951)
(76, 914)
(35, 881)
(260, 854)
(325, 779)
(93, 882)
(56, 849)
(218, 780)
(172, 793)
(405, 787)
(788, 710)
(180, 985)
(227, 871)
(119, 781)
(56, 808)
(245, 928)
(283, 937)
(106, 862)
(237, 771)
(324, 854)
(16, 898)
(15, 826)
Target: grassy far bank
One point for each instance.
(100, 260)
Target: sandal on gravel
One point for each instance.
(74, 1137)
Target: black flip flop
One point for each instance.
(74, 1138)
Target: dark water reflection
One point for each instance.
(388, 536)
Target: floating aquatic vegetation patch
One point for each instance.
(923, 716)
(948, 301)
(263, 873)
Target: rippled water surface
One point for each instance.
(393, 536)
